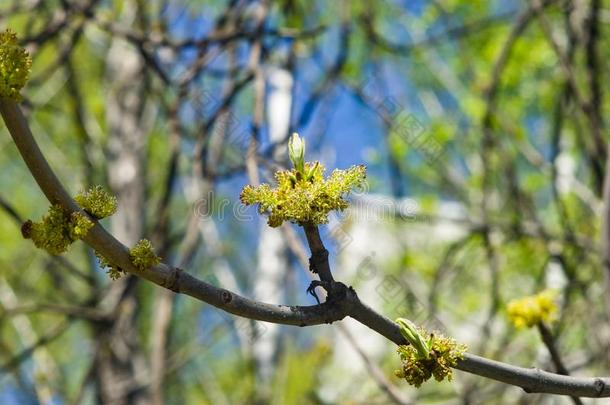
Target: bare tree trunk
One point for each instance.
(121, 366)
(272, 248)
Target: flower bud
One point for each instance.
(296, 152)
(412, 334)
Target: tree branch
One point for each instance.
(549, 342)
(318, 262)
(346, 302)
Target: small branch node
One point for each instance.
(173, 280)
(226, 296)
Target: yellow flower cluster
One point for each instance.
(424, 358)
(302, 199)
(531, 310)
(15, 65)
(97, 202)
(114, 272)
(143, 255)
(57, 230)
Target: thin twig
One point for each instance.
(549, 342)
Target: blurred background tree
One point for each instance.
(482, 127)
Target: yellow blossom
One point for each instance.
(57, 230)
(97, 202)
(531, 310)
(303, 195)
(15, 65)
(114, 272)
(143, 255)
(301, 199)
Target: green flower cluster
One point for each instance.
(57, 230)
(302, 199)
(423, 358)
(15, 65)
(114, 272)
(143, 255)
(97, 202)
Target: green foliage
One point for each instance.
(15, 66)
(57, 230)
(143, 255)
(97, 202)
(423, 358)
(297, 376)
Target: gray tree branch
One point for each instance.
(345, 302)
